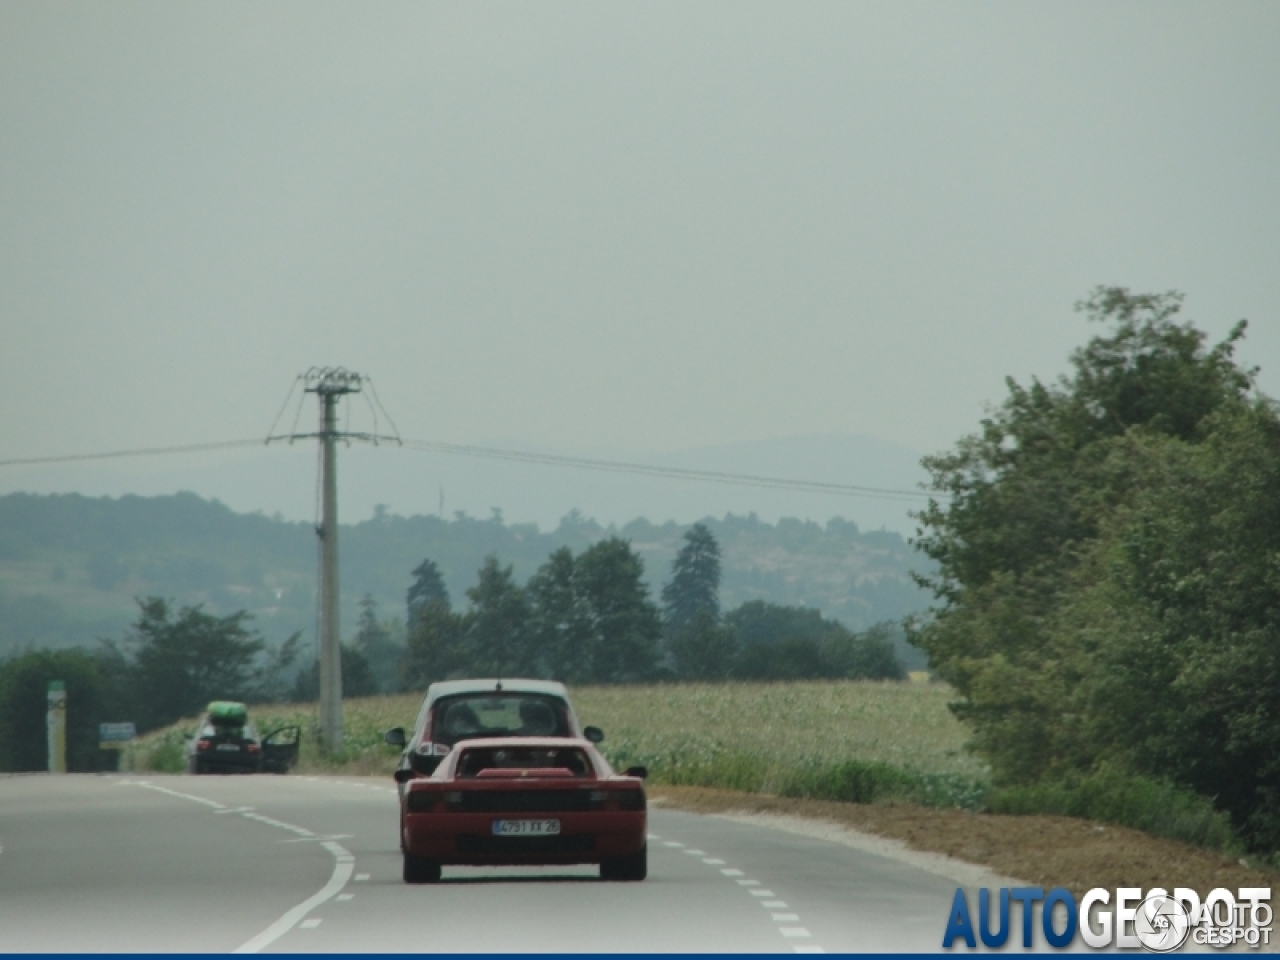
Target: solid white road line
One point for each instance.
(342, 868)
(344, 864)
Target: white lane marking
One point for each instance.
(310, 923)
(184, 796)
(342, 867)
(345, 896)
(233, 810)
(344, 864)
(790, 932)
(361, 877)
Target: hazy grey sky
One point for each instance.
(611, 226)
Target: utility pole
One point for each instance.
(331, 384)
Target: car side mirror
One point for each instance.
(640, 772)
(403, 776)
(395, 737)
(594, 734)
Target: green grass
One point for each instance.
(796, 739)
(767, 734)
(1156, 807)
(853, 741)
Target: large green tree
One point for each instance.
(380, 644)
(1106, 567)
(427, 589)
(563, 621)
(626, 624)
(695, 580)
(496, 637)
(178, 662)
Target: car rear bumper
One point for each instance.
(468, 838)
(228, 763)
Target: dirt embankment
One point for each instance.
(1040, 850)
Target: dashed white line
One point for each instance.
(345, 896)
(361, 877)
(766, 897)
(310, 923)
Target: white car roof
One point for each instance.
(450, 688)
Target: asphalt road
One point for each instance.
(303, 864)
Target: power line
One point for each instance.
(137, 452)
(681, 473)
(545, 459)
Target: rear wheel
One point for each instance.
(628, 869)
(420, 870)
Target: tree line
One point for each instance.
(587, 617)
(1108, 569)
(584, 617)
(168, 665)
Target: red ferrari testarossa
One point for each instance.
(523, 800)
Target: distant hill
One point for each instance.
(282, 478)
(71, 565)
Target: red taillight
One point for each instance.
(252, 747)
(203, 744)
(624, 800)
(422, 801)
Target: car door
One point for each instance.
(280, 749)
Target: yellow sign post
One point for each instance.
(57, 726)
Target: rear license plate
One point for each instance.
(229, 746)
(526, 828)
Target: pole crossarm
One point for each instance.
(329, 384)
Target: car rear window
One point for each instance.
(473, 716)
(477, 759)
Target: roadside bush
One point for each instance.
(24, 684)
(856, 781)
(1157, 807)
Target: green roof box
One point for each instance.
(226, 713)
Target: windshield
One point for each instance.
(471, 716)
(572, 759)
